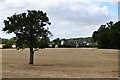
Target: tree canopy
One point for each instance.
(57, 41)
(108, 36)
(28, 27)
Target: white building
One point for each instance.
(13, 46)
(50, 45)
(1, 46)
(56, 46)
(77, 45)
(62, 42)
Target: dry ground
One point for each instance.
(61, 63)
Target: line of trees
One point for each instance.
(73, 42)
(45, 43)
(8, 42)
(12, 41)
(108, 35)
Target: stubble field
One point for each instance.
(61, 63)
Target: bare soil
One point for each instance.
(61, 63)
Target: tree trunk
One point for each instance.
(31, 55)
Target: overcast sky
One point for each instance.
(69, 18)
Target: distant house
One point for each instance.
(79, 43)
(70, 42)
(73, 42)
(1, 46)
(92, 44)
(56, 46)
(84, 42)
(13, 46)
(51, 44)
(62, 42)
(88, 44)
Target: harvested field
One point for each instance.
(61, 63)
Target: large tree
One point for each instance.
(29, 29)
(108, 36)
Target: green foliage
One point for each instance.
(43, 43)
(82, 39)
(108, 36)
(57, 41)
(8, 42)
(114, 35)
(11, 41)
(4, 41)
(28, 27)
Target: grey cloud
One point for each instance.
(64, 13)
(79, 23)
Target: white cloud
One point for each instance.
(82, 14)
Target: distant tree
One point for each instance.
(29, 29)
(4, 41)
(10, 41)
(64, 39)
(57, 41)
